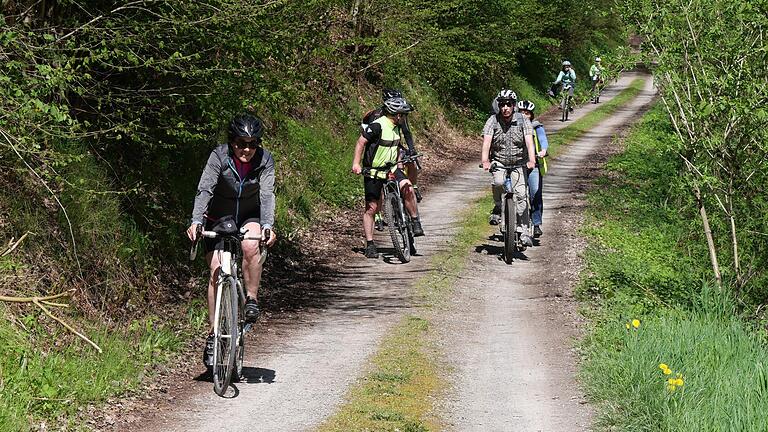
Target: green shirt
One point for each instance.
(383, 146)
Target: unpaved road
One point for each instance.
(514, 367)
(298, 371)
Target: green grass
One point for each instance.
(646, 261)
(397, 394)
(584, 124)
(48, 373)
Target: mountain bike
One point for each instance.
(565, 101)
(397, 219)
(509, 217)
(229, 316)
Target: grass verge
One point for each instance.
(48, 374)
(645, 262)
(398, 391)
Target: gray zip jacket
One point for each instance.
(221, 191)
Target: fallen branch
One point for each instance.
(46, 300)
(15, 245)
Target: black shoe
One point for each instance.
(418, 194)
(379, 225)
(370, 251)
(570, 109)
(537, 232)
(526, 240)
(418, 231)
(208, 351)
(251, 310)
(495, 218)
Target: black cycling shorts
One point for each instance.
(374, 186)
(210, 244)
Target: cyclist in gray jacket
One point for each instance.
(238, 182)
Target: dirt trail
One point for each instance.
(297, 371)
(515, 369)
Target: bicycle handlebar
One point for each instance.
(386, 166)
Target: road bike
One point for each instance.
(509, 217)
(397, 219)
(229, 315)
(566, 101)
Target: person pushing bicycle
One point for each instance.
(238, 182)
(596, 75)
(380, 144)
(508, 140)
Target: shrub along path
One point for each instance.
(297, 370)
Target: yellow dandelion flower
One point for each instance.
(679, 382)
(663, 366)
(667, 371)
(635, 323)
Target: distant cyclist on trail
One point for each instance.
(566, 77)
(536, 176)
(596, 74)
(239, 182)
(508, 140)
(379, 144)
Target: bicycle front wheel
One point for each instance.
(226, 333)
(510, 227)
(564, 108)
(396, 223)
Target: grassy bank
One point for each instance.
(647, 262)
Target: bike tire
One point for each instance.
(396, 225)
(225, 346)
(238, 372)
(567, 109)
(564, 108)
(510, 229)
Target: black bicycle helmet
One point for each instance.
(397, 105)
(389, 93)
(246, 126)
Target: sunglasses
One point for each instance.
(506, 103)
(240, 145)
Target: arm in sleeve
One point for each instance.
(559, 77)
(407, 135)
(542, 135)
(267, 193)
(208, 181)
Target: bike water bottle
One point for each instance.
(508, 185)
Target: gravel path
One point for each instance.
(515, 368)
(297, 371)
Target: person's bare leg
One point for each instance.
(252, 267)
(406, 188)
(371, 207)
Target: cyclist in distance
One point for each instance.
(508, 140)
(238, 182)
(379, 144)
(536, 176)
(595, 74)
(567, 76)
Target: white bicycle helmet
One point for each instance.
(506, 94)
(526, 105)
(566, 63)
(397, 105)
(597, 59)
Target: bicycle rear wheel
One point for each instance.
(225, 347)
(398, 231)
(510, 227)
(564, 107)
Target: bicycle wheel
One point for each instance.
(510, 227)
(564, 107)
(567, 109)
(241, 328)
(224, 349)
(396, 224)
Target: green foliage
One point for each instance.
(645, 262)
(710, 64)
